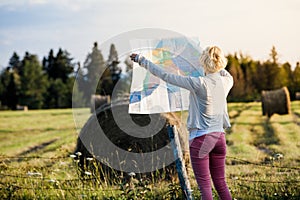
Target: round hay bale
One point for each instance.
(297, 96)
(119, 137)
(276, 101)
(98, 100)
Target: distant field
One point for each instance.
(263, 158)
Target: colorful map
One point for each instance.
(148, 93)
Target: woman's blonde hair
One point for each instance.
(213, 59)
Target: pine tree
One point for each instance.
(112, 63)
(238, 90)
(57, 94)
(249, 71)
(49, 64)
(33, 82)
(15, 63)
(296, 78)
(60, 66)
(59, 69)
(10, 82)
(272, 71)
(111, 74)
(80, 85)
(95, 66)
(274, 55)
(9, 88)
(285, 75)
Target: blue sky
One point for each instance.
(249, 26)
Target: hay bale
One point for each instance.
(20, 107)
(98, 101)
(105, 118)
(276, 101)
(297, 95)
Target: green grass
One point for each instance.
(262, 163)
(271, 147)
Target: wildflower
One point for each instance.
(73, 156)
(52, 181)
(131, 174)
(88, 173)
(34, 174)
(78, 153)
(89, 159)
(278, 156)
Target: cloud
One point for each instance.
(37, 2)
(75, 24)
(67, 5)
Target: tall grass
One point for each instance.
(35, 163)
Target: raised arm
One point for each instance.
(187, 82)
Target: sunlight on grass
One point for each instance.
(262, 159)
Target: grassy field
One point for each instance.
(35, 147)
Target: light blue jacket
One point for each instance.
(208, 104)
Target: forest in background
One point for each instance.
(50, 83)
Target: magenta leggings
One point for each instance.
(208, 159)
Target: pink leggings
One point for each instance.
(208, 159)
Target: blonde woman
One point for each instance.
(207, 117)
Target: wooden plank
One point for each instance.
(179, 161)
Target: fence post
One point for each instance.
(179, 161)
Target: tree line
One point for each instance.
(251, 77)
(50, 83)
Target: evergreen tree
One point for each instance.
(268, 73)
(261, 79)
(78, 89)
(296, 79)
(95, 65)
(60, 66)
(33, 82)
(10, 82)
(5, 79)
(286, 75)
(112, 63)
(57, 94)
(111, 74)
(248, 67)
(59, 69)
(9, 88)
(49, 64)
(238, 90)
(15, 63)
(13, 89)
(274, 55)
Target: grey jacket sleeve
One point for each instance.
(228, 83)
(187, 82)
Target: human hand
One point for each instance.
(134, 57)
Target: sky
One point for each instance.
(248, 26)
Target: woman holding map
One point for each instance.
(207, 117)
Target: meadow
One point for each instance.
(37, 150)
